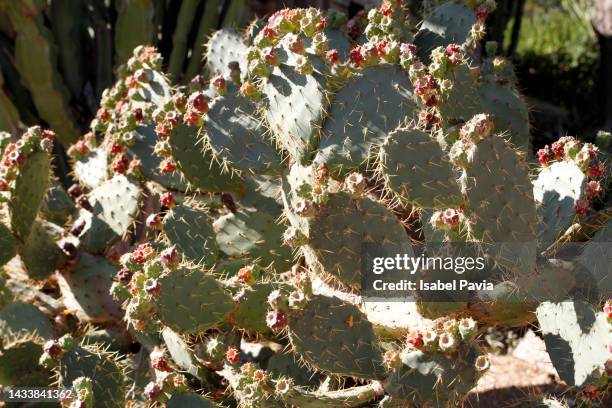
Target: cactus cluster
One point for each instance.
(209, 253)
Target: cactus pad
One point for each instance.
(93, 169)
(449, 23)
(336, 337)
(339, 229)
(7, 244)
(144, 143)
(576, 338)
(362, 113)
(102, 367)
(225, 46)
(22, 319)
(556, 190)
(296, 106)
(40, 254)
(86, 290)
(416, 170)
(199, 166)
(238, 138)
(191, 232)
(253, 235)
(191, 301)
(30, 188)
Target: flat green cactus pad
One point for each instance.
(252, 308)
(144, 143)
(191, 232)
(433, 377)
(416, 170)
(40, 253)
(500, 197)
(7, 244)
(336, 337)
(24, 318)
(188, 400)
(362, 114)
(115, 204)
(296, 107)
(339, 229)
(255, 236)
(576, 338)
(556, 190)
(191, 301)
(198, 165)
(85, 290)
(30, 188)
(449, 23)
(102, 367)
(58, 206)
(93, 169)
(225, 46)
(238, 138)
(19, 365)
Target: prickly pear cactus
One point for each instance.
(215, 233)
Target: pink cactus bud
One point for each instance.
(276, 320)
(232, 355)
(154, 221)
(53, 349)
(159, 360)
(48, 134)
(83, 202)
(180, 101)
(415, 338)
(138, 115)
(167, 200)
(170, 258)
(593, 189)
(596, 170)
(193, 118)
(102, 115)
(294, 43)
(269, 33)
(152, 287)
(219, 84)
(245, 274)
(153, 391)
(143, 253)
(124, 276)
(333, 57)
(116, 149)
(582, 206)
(482, 13)
(356, 57)
(270, 56)
(198, 102)
(163, 130)
(544, 156)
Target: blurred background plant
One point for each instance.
(57, 56)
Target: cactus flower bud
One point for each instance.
(167, 200)
(152, 287)
(170, 257)
(447, 342)
(219, 85)
(582, 206)
(154, 221)
(198, 102)
(159, 360)
(143, 253)
(593, 189)
(153, 392)
(276, 320)
(232, 355)
(415, 339)
(53, 349)
(83, 202)
(333, 57)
